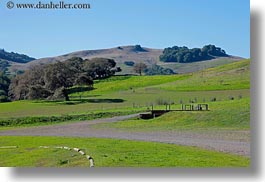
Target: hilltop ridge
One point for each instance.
(134, 53)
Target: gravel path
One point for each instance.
(236, 142)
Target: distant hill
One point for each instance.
(119, 54)
(15, 57)
(4, 65)
(9, 58)
(122, 55)
(186, 55)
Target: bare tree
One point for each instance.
(139, 68)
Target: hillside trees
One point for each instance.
(4, 84)
(129, 63)
(158, 70)
(139, 68)
(52, 81)
(186, 55)
(99, 68)
(3, 65)
(15, 57)
(138, 48)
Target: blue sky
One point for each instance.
(111, 23)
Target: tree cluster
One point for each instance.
(186, 55)
(138, 48)
(52, 81)
(139, 68)
(15, 57)
(3, 65)
(158, 70)
(129, 63)
(4, 84)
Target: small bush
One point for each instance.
(62, 162)
(56, 119)
(213, 99)
(3, 98)
(161, 101)
(129, 63)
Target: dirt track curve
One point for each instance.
(224, 141)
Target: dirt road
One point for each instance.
(235, 142)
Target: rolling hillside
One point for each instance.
(136, 53)
(11, 58)
(122, 92)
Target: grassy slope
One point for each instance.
(144, 90)
(121, 83)
(7, 123)
(107, 152)
(110, 153)
(184, 67)
(232, 115)
(220, 82)
(226, 77)
(197, 66)
(38, 109)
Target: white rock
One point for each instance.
(45, 147)
(58, 147)
(66, 148)
(76, 149)
(91, 163)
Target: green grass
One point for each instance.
(121, 95)
(43, 108)
(231, 76)
(197, 66)
(121, 83)
(232, 115)
(184, 67)
(226, 77)
(146, 96)
(125, 93)
(140, 98)
(110, 153)
(47, 120)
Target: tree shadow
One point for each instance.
(86, 100)
(102, 100)
(79, 89)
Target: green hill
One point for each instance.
(8, 59)
(15, 57)
(135, 54)
(231, 76)
(137, 92)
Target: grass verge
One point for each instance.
(47, 120)
(232, 115)
(110, 153)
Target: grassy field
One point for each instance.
(233, 76)
(197, 66)
(226, 77)
(183, 67)
(225, 88)
(123, 93)
(111, 153)
(48, 120)
(231, 115)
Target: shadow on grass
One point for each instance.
(76, 100)
(85, 100)
(105, 100)
(79, 89)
